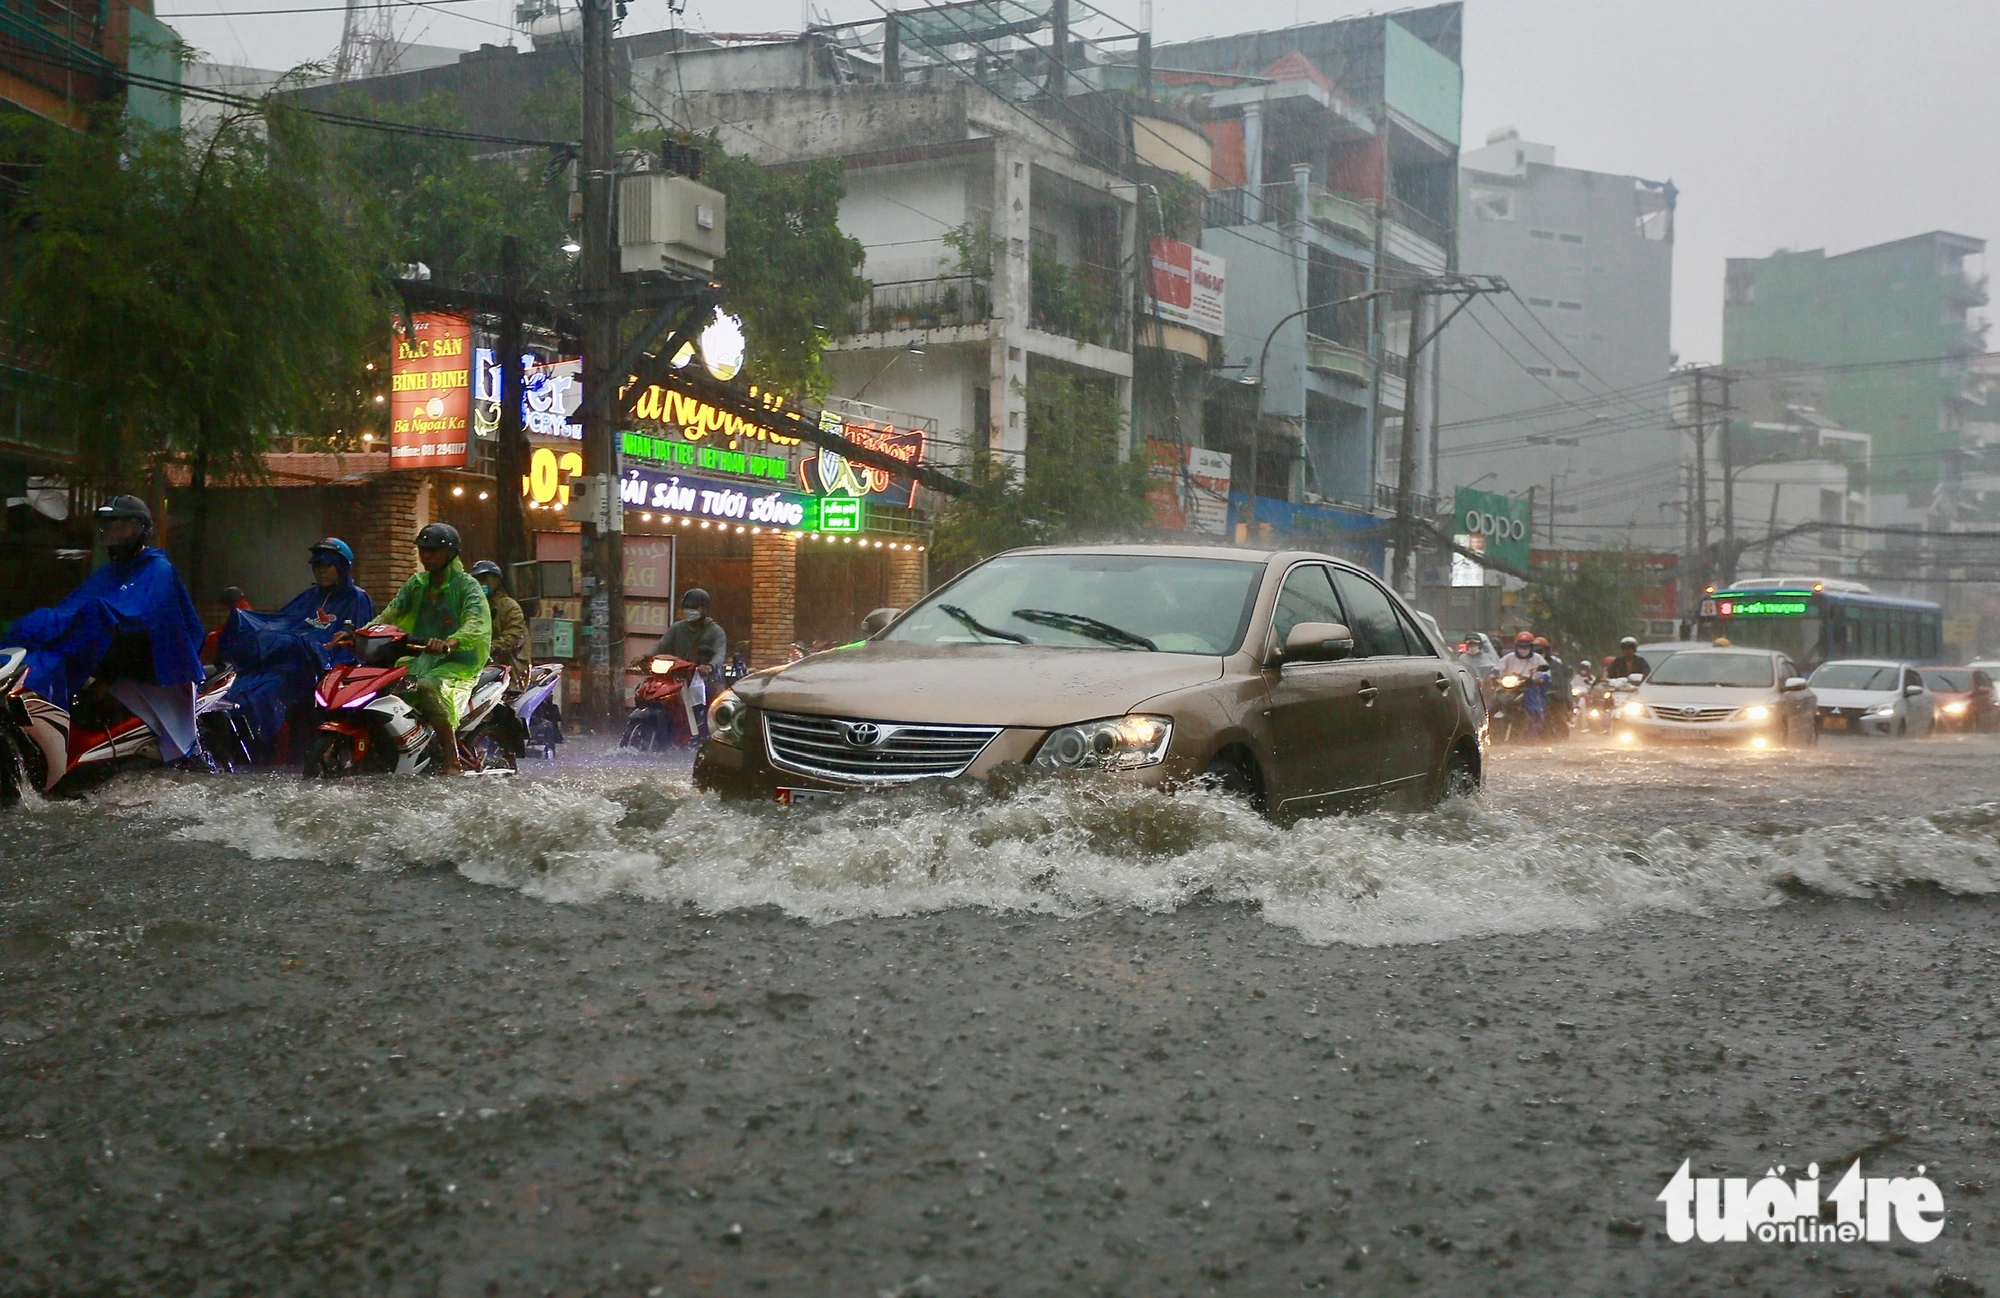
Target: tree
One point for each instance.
(1074, 485)
(185, 297)
(1587, 608)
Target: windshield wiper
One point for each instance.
(1078, 624)
(977, 627)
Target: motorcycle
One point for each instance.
(1508, 717)
(52, 749)
(663, 709)
(363, 728)
(538, 708)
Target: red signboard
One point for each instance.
(831, 474)
(430, 399)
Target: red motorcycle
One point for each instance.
(664, 714)
(364, 728)
(52, 749)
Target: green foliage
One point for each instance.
(1585, 610)
(974, 245)
(1080, 302)
(185, 297)
(1074, 487)
(791, 273)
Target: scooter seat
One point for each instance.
(488, 675)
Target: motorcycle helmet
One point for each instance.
(1629, 643)
(695, 598)
(335, 550)
(1525, 638)
(121, 509)
(488, 568)
(1542, 642)
(438, 536)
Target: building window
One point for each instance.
(1570, 238)
(1569, 306)
(1541, 301)
(1541, 371)
(1569, 374)
(1656, 227)
(1547, 236)
(1491, 204)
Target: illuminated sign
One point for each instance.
(1763, 606)
(551, 396)
(666, 451)
(549, 472)
(698, 421)
(430, 394)
(842, 514)
(829, 473)
(727, 502)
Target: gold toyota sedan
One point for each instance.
(1293, 679)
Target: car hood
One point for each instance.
(1853, 698)
(1704, 696)
(1005, 685)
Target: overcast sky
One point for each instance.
(1785, 123)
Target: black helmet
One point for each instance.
(695, 598)
(438, 536)
(124, 507)
(488, 568)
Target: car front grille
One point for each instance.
(1852, 714)
(1693, 716)
(871, 752)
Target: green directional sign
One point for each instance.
(1502, 523)
(839, 514)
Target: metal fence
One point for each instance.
(943, 303)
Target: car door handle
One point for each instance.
(1443, 683)
(1367, 694)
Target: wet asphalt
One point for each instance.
(222, 1075)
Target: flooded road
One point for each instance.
(586, 1032)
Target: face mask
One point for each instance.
(692, 614)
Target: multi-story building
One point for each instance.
(1557, 391)
(1335, 150)
(1913, 300)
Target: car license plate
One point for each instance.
(808, 797)
(1834, 723)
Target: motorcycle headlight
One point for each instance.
(1757, 712)
(661, 666)
(727, 719)
(1113, 744)
(1509, 681)
(1634, 709)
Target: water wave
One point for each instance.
(1065, 848)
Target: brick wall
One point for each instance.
(774, 577)
(390, 510)
(906, 577)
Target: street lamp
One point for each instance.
(1257, 381)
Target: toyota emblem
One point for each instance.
(861, 734)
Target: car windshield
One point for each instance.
(1137, 602)
(1855, 676)
(1742, 671)
(1948, 682)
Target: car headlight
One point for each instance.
(727, 718)
(1634, 709)
(1113, 744)
(1957, 709)
(1757, 712)
(1882, 710)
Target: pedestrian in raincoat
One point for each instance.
(280, 656)
(131, 624)
(443, 609)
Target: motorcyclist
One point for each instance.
(699, 639)
(442, 609)
(1559, 679)
(510, 647)
(279, 656)
(131, 625)
(1533, 669)
(1628, 662)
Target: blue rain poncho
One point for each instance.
(140, 594)
(280, 656)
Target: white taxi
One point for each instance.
(1753, 697)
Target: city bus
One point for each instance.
(1818, 620)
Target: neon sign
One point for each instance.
(830, 473)
(707, 498)
(698, 420)
(549, 472)
(842, 513)
(1761, 608)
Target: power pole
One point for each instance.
(1701, 469)
(603, 546)
(1406, 461)
(1727, 447)
(509, 459)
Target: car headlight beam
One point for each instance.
(1757, 712)
(1112, 744)
(728, 719)
(1882, 710)
(1634, 709)
(1957, 709)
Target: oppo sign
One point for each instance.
(1502, 521)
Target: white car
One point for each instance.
(1745, 696)
(1873, 696)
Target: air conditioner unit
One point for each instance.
(665, 220)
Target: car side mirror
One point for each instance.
(1794, 683)
(1911, 691)
(1318, 642)
(879, 618)
(1637, 678)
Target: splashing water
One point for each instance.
(1065, 848)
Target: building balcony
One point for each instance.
(1413, 238)
(944, 303)
(1084, 302)
(1964, 290)
(1324, 356)
(1343, 213)
(1337, 213)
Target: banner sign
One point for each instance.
(1500, 522)
(1187, 285)
(696, 420)
(649, 567)
(727, 502)
(551, 395)
(1188, 488)
(829, 473)
(668, 452)
(430, 396)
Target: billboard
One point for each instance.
(1188, 488)
(1187, 285)
(430, 397)
(826, 472)
(1499, 525)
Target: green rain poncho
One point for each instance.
(454, 609)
